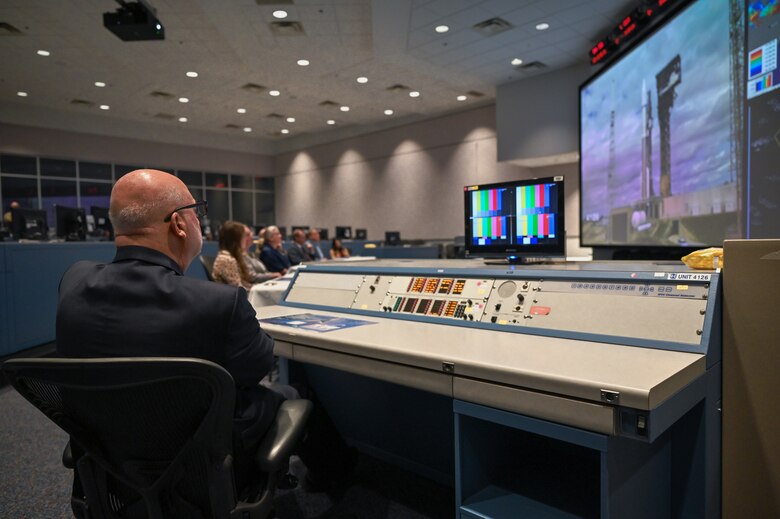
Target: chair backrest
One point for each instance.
(208, 265)
(156, 432)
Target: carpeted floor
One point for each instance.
(35, 484)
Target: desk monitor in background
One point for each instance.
(343, 232)
(324, 235)
(71, 223)
(392, 238)
(517, 221)
(29, 224)
(361, 234)
(103, 226)
(283, 231)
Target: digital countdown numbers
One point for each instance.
(631, 24)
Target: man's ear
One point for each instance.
(178, 225)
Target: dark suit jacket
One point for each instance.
(299, 252)
(142, 305)
(274, 260)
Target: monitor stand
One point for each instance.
(519, 260)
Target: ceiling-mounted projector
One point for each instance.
(134, 21)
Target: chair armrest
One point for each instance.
(67, 457)
(286, 431)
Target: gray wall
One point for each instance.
(408, 179)
(539, 116)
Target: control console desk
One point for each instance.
(575, 390)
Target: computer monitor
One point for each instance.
(343, 232)
(515, 220)
(393, 238)
(71, 223)
(361, 234)
(29, 224)
(324, 235)
(283, 231)
(103, 226)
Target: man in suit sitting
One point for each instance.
(300, 250)
(141, 304)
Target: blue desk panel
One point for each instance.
(30, 276)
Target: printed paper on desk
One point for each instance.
(315, 323)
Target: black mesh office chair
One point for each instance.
(153, 437)
(208, 265)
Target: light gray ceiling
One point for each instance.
(230, 43)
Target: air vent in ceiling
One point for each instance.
(532, 66)
(81, 102)
(164, 116)
(254, 87)
(275, 116)
(492, 26)
(233, 126)
(329, 104)
(474, 93)
(6, 29)
(162, 95)
(398, 88)
(287, 28)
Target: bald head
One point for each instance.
(141, 200)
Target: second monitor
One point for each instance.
(71, 223)
(393, 238)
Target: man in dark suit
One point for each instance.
(141, 304)
(273, 255)
(300, 250)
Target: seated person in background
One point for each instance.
(141, 304)
(229, 266)
(300, 250)
(257, 271)
(314, 242)
(273, 255)
(338, 250)
(8, 216)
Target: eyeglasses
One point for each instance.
(201, 209)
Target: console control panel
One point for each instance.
(666, 310)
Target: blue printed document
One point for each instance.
(315, 323)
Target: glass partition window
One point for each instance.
(42, 182)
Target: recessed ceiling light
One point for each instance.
(442, 28)
(542, 26)
(414, 93)
(388, 112)
(280, 14)
(331, 121)
(344, 109)
(182, 119)
(303, 62)
(184, 100)
(362, 79)
(43, 52)
(274, 93)
(516, 62)
(22, 94)
(99, 84)
(461, 98)
(192, 74)
(291, 119)
(241, 110)
(104, 107)
(285, 131)
(247, 129)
